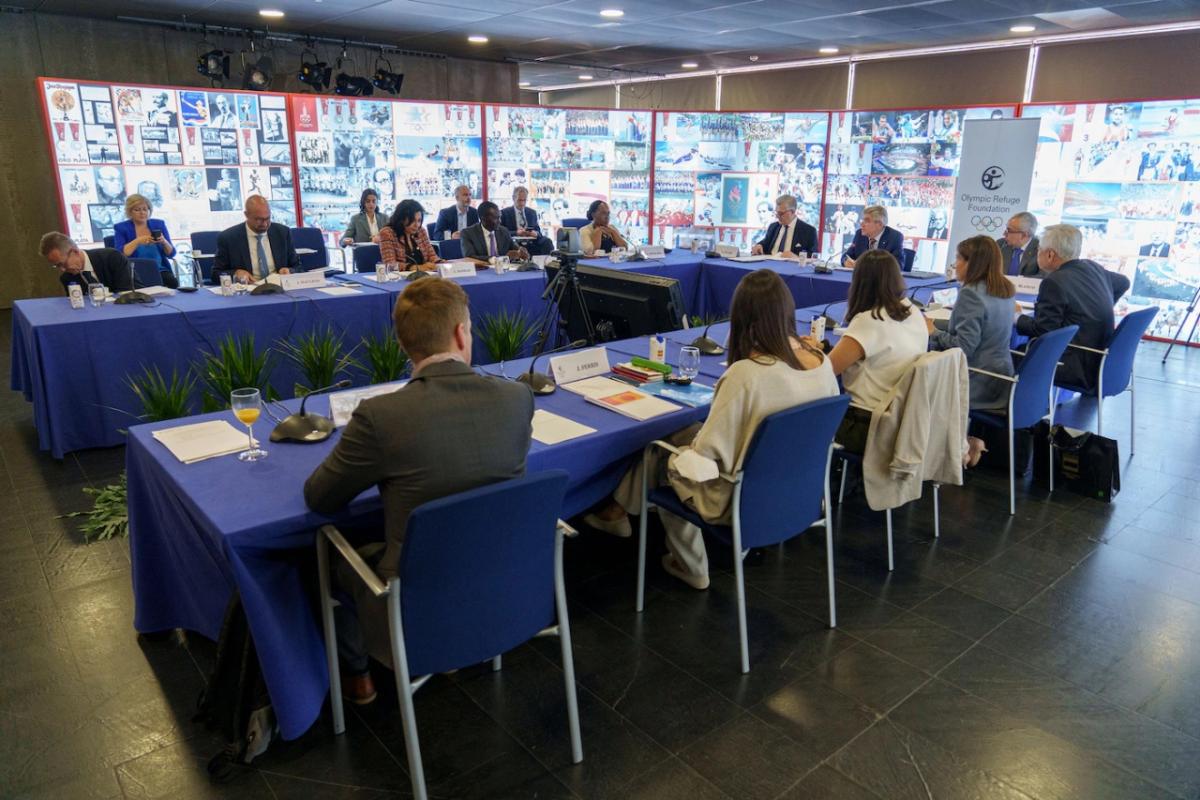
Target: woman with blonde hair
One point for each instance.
(141, 236)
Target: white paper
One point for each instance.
(936, 314)
(338, 291)
(203, 440)
(695, 467)
(596, 387)
(342, 404)
(634, 404)
(551, 428)
(752, 259)
(156, 291)
(304, 251)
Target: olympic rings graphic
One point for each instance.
(989, 224)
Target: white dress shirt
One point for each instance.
(373, 225)
(252, 240)
(462, 219)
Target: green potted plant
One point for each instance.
(385, 360)
(321, 357)
(235, 365)
(505, 334)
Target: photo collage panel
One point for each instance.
(569, 158)
(717, 175)
(1128, 176)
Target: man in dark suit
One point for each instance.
(103, 265)
(458, 217)
(1019, 246)
(789, 237)
(521, 220)
(489, 238)
(447, 431)
(256, 249)
(1076, 291)
(874, 234)
(1157, 247)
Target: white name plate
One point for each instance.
(298, 280)
(653, 251)
(457, 269)
(579, 365)
(1026, 285)
(726, 250)
(342, 404)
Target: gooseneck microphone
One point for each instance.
(538, 382)
(133, 295)
(306, 428)
(707, 346)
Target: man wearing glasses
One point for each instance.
(1019, 246)
(102, 265)
(789, 237)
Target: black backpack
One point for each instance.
(235, 702)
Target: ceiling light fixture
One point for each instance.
(1022, 29)
(689, 65)
(828, 50)
(384, 79)
(314, 73)
(213, 65)
(585, 77)
(612, 13)
(477, 39)
(272, 13)
(523, 83)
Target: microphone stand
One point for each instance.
(707, 346)
(305, 428)
(133, 295)
(543, 384)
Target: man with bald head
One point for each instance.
(257, 248)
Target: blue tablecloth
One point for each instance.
(198, 531)
(74, 365)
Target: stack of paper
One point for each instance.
(202, 440)
(619, 397)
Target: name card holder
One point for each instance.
(653, 251)
(298, 280)
(457, 269)
(579, 365)
(1026, 285)
(726, 250)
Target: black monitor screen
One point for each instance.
(621, 304)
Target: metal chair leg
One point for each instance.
(1132, 420)
(496, 663)
(327, 622)
(408, 714)
(842, 487)
(640, 603)
(891, 558)
(829, 548)
(1012, 469)
(740, 580)
(937, 514)
(568, 656)
(1050, 452)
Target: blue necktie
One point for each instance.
(262, 255)
(1014, 266)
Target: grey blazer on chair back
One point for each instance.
(981, 326)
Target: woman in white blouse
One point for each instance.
(770, 369)
(884, 334)
(364, 226)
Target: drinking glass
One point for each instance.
(393, 271)
(689, 362)
(247, 405)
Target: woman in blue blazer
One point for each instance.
(981, 325)
(139, 236)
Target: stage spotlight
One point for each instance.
(258, 75)
(352, 86)
(213, 65)
(385, 80)
(314, 73)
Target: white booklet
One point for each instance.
(621, 397)
(203, 440)
(551, 428)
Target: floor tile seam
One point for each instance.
(1156, 559)
(682, 763)
(824, 763)
(336, 784)
(402, 764)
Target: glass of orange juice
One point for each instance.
(247, 405)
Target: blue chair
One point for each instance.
(145, 273)
(310, 239)
(1116, 366)
(576, 222)
(480, 573)
(450, 249)
(909, 254)
(1030, 397)
(781, 491)
(366, 256)
(205, 242)
(431, 227)
(110, 241)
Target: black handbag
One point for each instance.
(1087, 464)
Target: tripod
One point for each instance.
(1190, 310)
(564, 281)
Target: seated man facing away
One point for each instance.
(254, 250)
(102, 265)
(447, 431)
(488, 238)
(521, 220)
(1076, 291)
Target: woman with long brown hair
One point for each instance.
(980, 325)
(885, 333)
(770, 369)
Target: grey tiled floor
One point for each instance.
(1051, 655)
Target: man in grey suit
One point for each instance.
(488, 238)
(1019, 246)
(1076, 291)
(447, 431)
